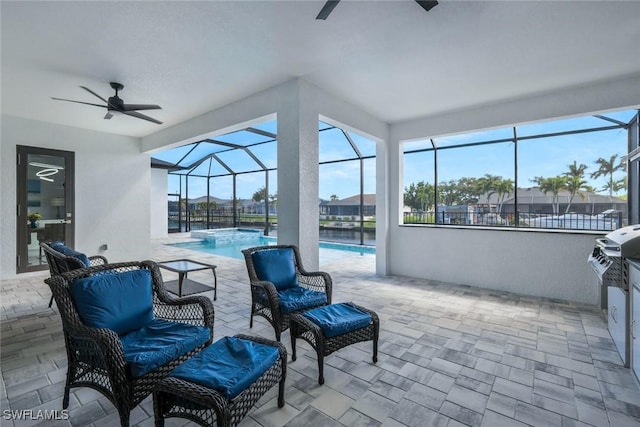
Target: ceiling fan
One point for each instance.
(115, 105)
(331, 4)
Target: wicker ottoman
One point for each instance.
(218, 386)
(332, 327)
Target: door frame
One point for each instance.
(23, 151)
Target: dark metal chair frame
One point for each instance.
(264, 291)
(303, 328)
(95, 355)
(60, 263)
(174, 397)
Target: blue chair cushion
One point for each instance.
(276, 266)
(65, 250)
(160, 342)
(337, 319)
(121, 302)
(229, 365)
(299, 298)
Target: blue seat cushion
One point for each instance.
(65, 250)
(160, 342)
(276, 266)
(337, 319)
(121, 302)
(229, 365)
(299, 298)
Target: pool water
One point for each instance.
(233, 248)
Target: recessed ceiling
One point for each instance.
(389, 58)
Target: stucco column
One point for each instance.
(298, 175)
(382, 207)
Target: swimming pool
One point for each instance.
(231, 242)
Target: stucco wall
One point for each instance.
(158, 216)
(112, 189)
(547, 264)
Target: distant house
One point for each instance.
(215, 204)
(535, 201)
(349, 206)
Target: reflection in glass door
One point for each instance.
(45, 203)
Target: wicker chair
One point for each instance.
(60, 263)
(96, 356)
(266, 297)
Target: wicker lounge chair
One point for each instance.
(119, 356)
(60, 263)
(280, 286)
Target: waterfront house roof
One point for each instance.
(369, 199)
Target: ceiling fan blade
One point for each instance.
(108, 116)
(141, 116)
(94, 94)
(133, 107)
(327, 9)
(427, 5)
(79, 102)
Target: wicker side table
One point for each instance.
(174, 397)
(304, 328)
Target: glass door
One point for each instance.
(45, 203)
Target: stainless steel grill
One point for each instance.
(607, 258)
(609, 261)
(607, 266)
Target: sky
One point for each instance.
(536, 157)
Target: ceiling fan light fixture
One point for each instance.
(115, 105)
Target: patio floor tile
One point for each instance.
(449, 355)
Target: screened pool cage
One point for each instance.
(206, 179)
(545, 187)
(210, 180)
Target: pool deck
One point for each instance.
(449, 355)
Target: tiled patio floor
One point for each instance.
(449, 355)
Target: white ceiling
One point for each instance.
(389, 58)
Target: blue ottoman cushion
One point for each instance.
(299, 298)
(229, 365)
(337, 319)
(160, 342)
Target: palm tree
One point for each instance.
(608, 168)
(425, 196)
(575, 183)
(503, 188)
(552, 185)
(419, 196)
(576, 170)
(487, 185)
(260, 195)
(333, 197)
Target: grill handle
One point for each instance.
(608, 247)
